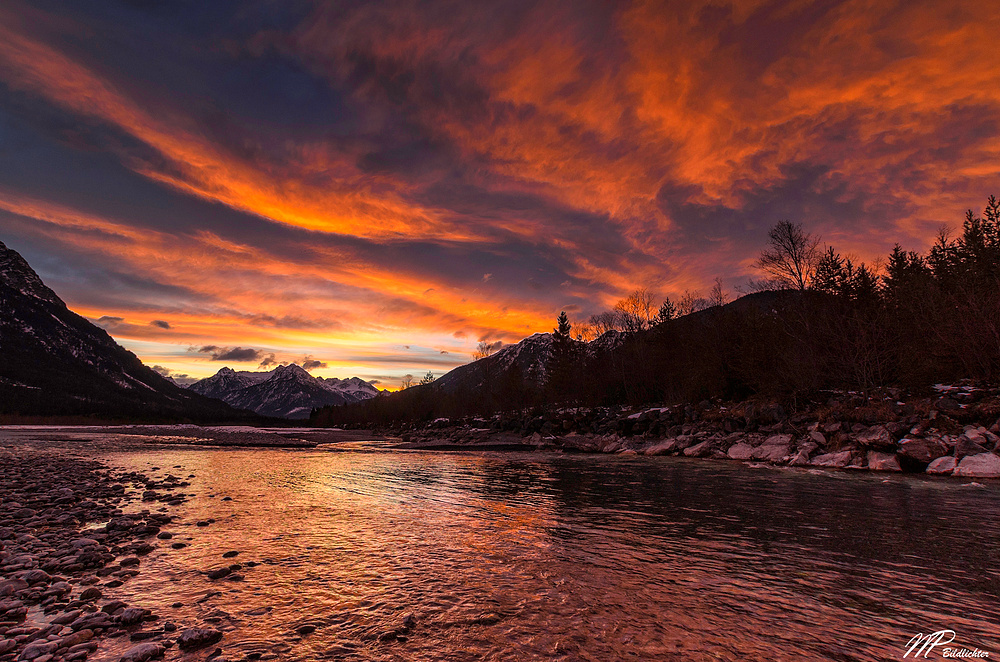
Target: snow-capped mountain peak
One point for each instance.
(288, 391)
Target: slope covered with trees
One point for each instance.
(819, 320)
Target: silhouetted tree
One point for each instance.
(791, 255)
(561, 363)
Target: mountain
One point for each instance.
(288, 391)
(55, 362)
(529, 357)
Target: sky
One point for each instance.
(371, 188)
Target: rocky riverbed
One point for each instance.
(956, 432)
(66, 544)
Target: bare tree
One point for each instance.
(604, 322)
(406, 382)
(691, 302)
(791, 255)
(718, 296)
(485, 348)
(636, 311)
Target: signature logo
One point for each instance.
(922, 645)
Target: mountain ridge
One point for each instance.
(288, 391)
(56, 362)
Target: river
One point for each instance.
(522, 556)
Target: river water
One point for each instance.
(522, 556)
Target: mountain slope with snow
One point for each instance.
(287, 391)
(55, 362)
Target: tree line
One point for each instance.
(817, 320)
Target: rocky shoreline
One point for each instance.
(66, 544)
(955, 432)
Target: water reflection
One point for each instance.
(530, 556)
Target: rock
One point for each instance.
(132, 615)
(34, 577)
(699, 450)
(946, 404)
(800, 459)
(662, 448)
(218, 573)
(741, 451)
(409, 621)
(37, 649)
(965, 446)
(305, 629)
(838, 460)
(983, 465)
(878, 461)
(195, 638)
(942, 465)
(143, 652)
(876, 437)
(229, 555)
(91, 593)
(922, 450)
(7, 645)
(818, 438)
(773, 449)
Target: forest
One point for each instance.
(815, 321)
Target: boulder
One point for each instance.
(922, 450)
(771, 452)
(699, 450)
(878, 461)
(876, 437)
(839, 460)
(965, 446)
(143, 652)
(983, 465)
(195, 638)
(662, 448)
(741, 451)
(942, 465)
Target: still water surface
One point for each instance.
(520, 556)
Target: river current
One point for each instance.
(524, 556)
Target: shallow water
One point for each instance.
(512, 556)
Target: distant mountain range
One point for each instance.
(55, 362)
(288, 391)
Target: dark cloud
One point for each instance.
(313, 364)
(269, 362)
(160, 323)
(109, 321)
(238, 354)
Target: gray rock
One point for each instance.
(984, 465)
(662, 448)
(771, 450)
(741, 451)
(923, 450)
(878, 461)
(699, 450)
(838, 460)
(942, 465)
(965, 446)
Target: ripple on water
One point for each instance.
(521, 556)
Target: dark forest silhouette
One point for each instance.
(818, 321)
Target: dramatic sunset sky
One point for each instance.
(376, 186)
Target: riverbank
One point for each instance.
(954, 432)
(66, 544)
(241, 436)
